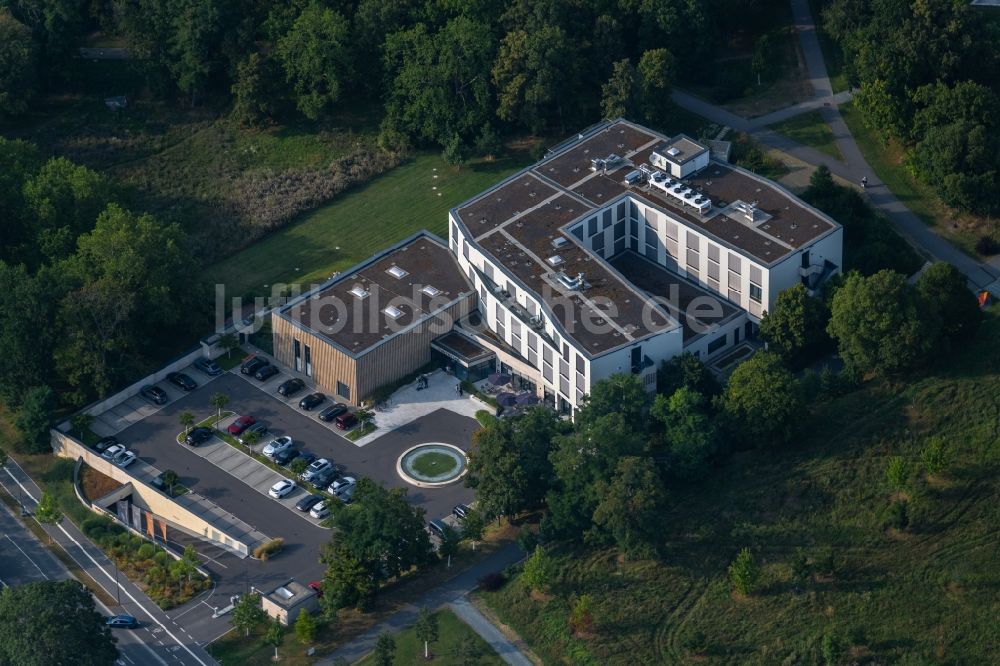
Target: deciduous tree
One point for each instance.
(744, 573)
(620, 93)
(315, 55)
(18, 63)
(426, 629)
(795, 327)
(34, 418)
(629, 507)
(762, 400)
(538, 570)
(305, 627)
(690, 433)
(30, 636)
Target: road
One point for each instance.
(854, 166)
(160, 640)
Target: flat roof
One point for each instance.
(696, 308)
(516, 221)
(396, 288)
(290, 594)
(686, 149)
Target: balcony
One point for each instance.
(646, 362)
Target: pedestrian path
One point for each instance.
(411, 403)
(447, 593)
(488, 631)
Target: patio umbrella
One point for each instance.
(528, 399)
(506, 399)
(499, 378)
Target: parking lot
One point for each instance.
(153, 438)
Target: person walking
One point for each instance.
(864, 182)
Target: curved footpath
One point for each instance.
(854, 166)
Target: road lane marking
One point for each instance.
(26, 557)
(107, 573)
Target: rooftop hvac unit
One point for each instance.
(633, 177)
(560, 241)
(673, 152)
(572, 283)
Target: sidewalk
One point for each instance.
(409, 404)
(486, 629)
(96, 564)
(453, 590)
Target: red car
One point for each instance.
(242, 423)
(318, 586)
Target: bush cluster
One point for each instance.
(167, 581)
(268, 549)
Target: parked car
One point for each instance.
(311, 400)
(182, 381)
(306, 456)
(332, 411)
(198, 435)
(253, 364)
(281, 488)
(347, 495)
(277, 445)
(260, 427)
(105, 442)
(345, 421)
(158, 482)
(122, 622)
(286, 456)
(241, 424)
(436, 527)
(316, 467)
(461, 511)
(124, 459)
(308, 502)
(266, 373)
(323, 479)
(321, 510)
(341, 484)
(208, 366)
(317, 586)
(291, 386)
(154, 394)
(110, 452)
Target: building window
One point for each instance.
(309, 365)
(592, 226)
(717, 344)
(621, 211)
(755, 293)
(465, 249)
(619, 229)
(343, 390)
(599, 243)
(297, 346)
(606, 220)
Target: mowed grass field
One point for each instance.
(416, 195)
(445, 650)
(809, 129)
(925, 595)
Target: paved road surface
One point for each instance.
(451, 591)
(160, 641)
(482, 626)
(854, 166)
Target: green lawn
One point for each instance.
(925, 595)
(433, 463)
(809, 129)
(445, 651)
(414, 196)
(359, 432)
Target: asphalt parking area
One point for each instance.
(154, 440)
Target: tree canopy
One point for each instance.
(53, 623)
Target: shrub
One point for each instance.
(744, 573)
(146, 551)
(161, 558)
(527, 540)
(897, 516)
(987, 246)
(897, 473)
(267, 550)
(492, 582)
(935, 456)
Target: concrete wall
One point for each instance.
(144, 496)
(177, 364)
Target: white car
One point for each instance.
(316, 467)
(124, 459)
(321, 510)
(112, 451)
(278, 445)
(281, 488)
(341, 485)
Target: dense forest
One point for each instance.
(928, 76)
(446, 73)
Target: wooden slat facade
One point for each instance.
(384, 363)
